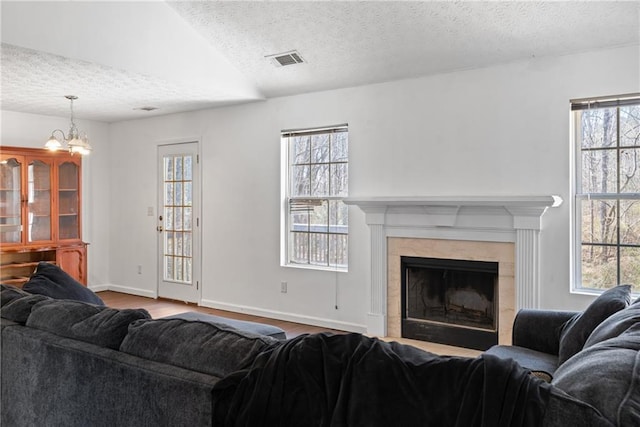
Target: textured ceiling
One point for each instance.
(354, 43)
(344, 44)
(36, 82)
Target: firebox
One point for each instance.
(450, 301)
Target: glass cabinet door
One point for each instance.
(11, 200)
(68, 201)
(39, 201)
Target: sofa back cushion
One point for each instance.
(52, 281)
(19, 309)
(214, 349)
(8, 293)
(615, 324)
(575, 332)
(607, 375)
(91, 323)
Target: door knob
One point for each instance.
(159, 228)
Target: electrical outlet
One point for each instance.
(283, 287)
(139, 269)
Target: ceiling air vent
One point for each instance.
(146, 108)
(286, 58)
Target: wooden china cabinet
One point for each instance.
(40, 215)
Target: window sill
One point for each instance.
(597, 292)
(316, 268)
(586, 291)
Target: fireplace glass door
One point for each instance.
(450, 301)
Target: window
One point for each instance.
(315, 182)
(607, 199)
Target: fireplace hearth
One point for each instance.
(450, 301)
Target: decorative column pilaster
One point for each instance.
(527, 268)
(527, 223)
(377, 293)
(377, 316)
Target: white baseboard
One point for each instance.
(99, 288)
(289, 317)
(254, 311)
(125, 290)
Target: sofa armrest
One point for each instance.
(539, 329)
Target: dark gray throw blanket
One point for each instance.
(353, 380)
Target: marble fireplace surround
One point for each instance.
(495, 228)
(500, 252)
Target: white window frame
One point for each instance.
(580, 195)
(287, 199)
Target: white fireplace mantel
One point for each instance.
(445, 210)
(516, 219)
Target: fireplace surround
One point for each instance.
(500, 253)
(504, 229)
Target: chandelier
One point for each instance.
(75, 143)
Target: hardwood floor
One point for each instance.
(163, 307)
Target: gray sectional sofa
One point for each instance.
(70, 363)
(73, 363)
(592, 355)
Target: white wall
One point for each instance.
(31, 130)
(500, 130)
(240, 149)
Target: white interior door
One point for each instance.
(179, 222)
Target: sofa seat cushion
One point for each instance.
(533, 360)
(214, 349)
(52, 281)
(91, 323)
(576, 331)
(242, 325)
(607, 376)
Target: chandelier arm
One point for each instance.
(64, 138)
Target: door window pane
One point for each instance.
(178, 203)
